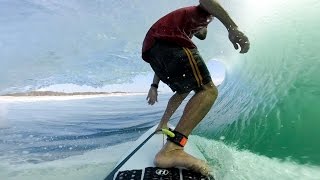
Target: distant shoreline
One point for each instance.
(60, 96)
(52, 93)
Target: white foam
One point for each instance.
(229, 163)
(140, 83)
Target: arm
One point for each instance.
(202, 34)
(153, 91)
(236, 37)
(156, 79)
(215, 9)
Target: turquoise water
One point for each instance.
(263, 125)
(270, 102)
(84, 138)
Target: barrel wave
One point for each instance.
(268, 103)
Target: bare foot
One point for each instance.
(172, 155)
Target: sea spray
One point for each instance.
(228, 162)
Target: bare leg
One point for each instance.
(172, 155)
(172, 106)
(197, 108)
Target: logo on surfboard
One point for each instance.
(162, 172)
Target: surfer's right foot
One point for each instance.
(172, 155)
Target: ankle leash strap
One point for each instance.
(175, 137)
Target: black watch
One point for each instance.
(154, 85)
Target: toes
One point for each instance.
(204, 171)
(182, 159)
(203, 168)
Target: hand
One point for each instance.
(152, 96)
(239, 39)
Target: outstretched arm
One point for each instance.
(153, 91)
(214, 8)
(236, 37)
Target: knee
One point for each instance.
(211, 90)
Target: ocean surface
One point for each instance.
(264, 125)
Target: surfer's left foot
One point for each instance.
(172, 155)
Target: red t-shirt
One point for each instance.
(178, 27)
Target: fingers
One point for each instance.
(239, 40)
(235, 45)
(244, 49)
(245, 45)
(152, 101)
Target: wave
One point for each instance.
(226, 162)
(98, 162)
(229, 162)
(269, 102)
(138, 83)
(86, 53)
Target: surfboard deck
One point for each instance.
(137, 163)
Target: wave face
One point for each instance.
(268, 104)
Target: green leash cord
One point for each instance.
(168, 132)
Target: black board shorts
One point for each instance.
(182, 69)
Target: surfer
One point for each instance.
(176, 61)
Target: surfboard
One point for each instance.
(137, 163)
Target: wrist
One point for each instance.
(154, 85)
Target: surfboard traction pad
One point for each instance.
(155, 173)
